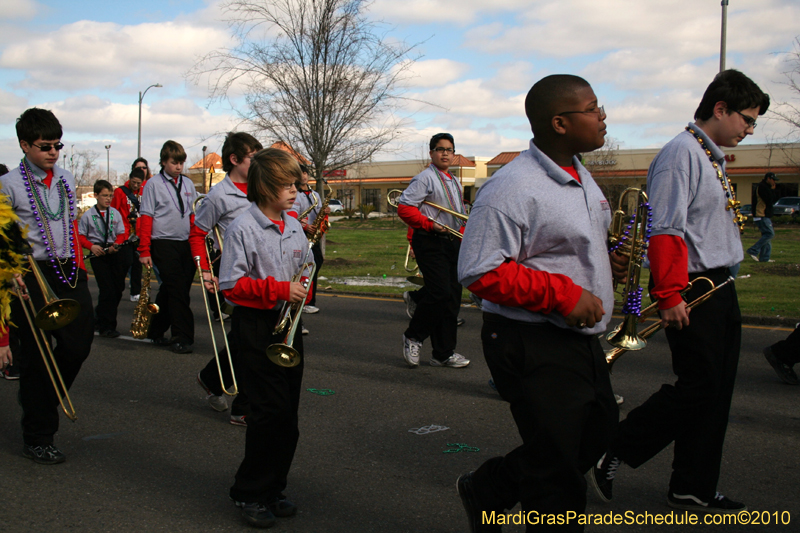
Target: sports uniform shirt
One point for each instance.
(256, 249)
(93, 229)
(223, 203)
(304, 201)
(534, 213)
(688, 202)
(159, 201)
(426, 186)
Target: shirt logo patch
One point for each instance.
(604, 205)
(297, 253)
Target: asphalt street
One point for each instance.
(148, 454)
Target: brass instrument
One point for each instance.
(629, 235)
(219, 309)
(394, 194)
(416, 279)
(615, 353)
(54, 314)
(145, 309)
(314, 204)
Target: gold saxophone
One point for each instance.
(144, 311)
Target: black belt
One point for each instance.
(445, 235)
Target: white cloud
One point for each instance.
(445, 12)
(473, 98)
(11, 106)
(18, 9)
(432, 72)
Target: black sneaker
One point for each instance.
(110, 333)
(11, 373)
(602, 476)
(719, 505)
(460, 322)
(282, 507)
(181, 347)
(256, 514)
(44, 455)
(466, 489)
(784, 371)
(161, 341)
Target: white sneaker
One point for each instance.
(454, 361)
(304, 331)
(411, 351)
(411, 305)
(217, 403)
(755, 257)
(310, 309)
(620, 399)
(135, 298)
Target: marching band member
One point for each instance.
(127, 200)
(43, 197)
(264, 248)
(535, 250)
(225, 201)
(164, 225)
(436, 251)
(100, 229)
(695, 233)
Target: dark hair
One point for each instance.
(99, 185)
(139, 160)
(3, 170)
(137, 173)
(239, 144)
(736, 90)
(438, 137)
(304, 168)
(546, 95)
(270, 170)
(35, 124)
(172, 150)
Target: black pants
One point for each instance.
(174, 262)
(210, 375)
(556, 382)
(316, 250)
(109, 273)
(694, 411)
(437, 311)
(132, 257)
(274, 395)
(73, 343)
(788, 351)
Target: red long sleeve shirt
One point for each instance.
(669, 266)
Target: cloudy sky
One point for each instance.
(649, 62)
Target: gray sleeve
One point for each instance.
(233, 265)
(208, 214)
(489, 239)
(418, 190)
(147, 205)
(83, 224)
(119, 226)
(669, 191)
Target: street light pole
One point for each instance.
(723, 36)
(205, 187)
(108, 162)
(141, 97)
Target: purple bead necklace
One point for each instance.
(37, 206)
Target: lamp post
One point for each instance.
(108, 162)
(723, 35)
(141, 97)
(205, 187)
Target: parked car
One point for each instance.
(335, 205)
(789, 205)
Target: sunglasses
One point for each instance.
(48, 147)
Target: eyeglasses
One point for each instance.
(140, 168)
(289, 187)
(441, 150)
(48, 147)
(750, 121)
(600, 110)
(105, 195)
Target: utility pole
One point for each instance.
(723, 36)
(205, 187)
(108, 162)
(141, 97)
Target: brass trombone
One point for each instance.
(394, 194)
(417, 278)
(219, 308)
(56, 313)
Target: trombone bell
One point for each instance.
(57, 313)
(283, 355)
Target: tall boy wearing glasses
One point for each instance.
(436, 250)
(43, 197)
(165, 222)
(696, 225)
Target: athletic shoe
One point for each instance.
(602, 476)
(282, 507)
(454, 361)
(11, 373)
(411, 305)
(310, 310)
(44, 455)
(411, 351)
(225, 316)
(110, 333)
(755, 257)
(620, 399)
(134, 297)
(304, 330)
(784, 371)
(238, 420)
(460, 322)
(719, 505)
(217, 403)
(256, 514)
(469, 499)
(181, 347)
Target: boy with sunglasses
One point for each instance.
(43, 196)
(436, 249)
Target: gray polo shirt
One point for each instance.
(427, 186)
(304, 201)
(223, 203)
(688, 201)
(536, 214)
(91, 226)
(160, 201)
(255, 248)
(13, 187)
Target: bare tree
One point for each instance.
(83, 165)
(789, 112)
(325, 80)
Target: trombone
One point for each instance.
(54, 314)
(416, 279)
(394, 194)
(199, 265)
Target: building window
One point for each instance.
(371, 197)
(346, 197)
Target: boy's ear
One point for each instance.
(558, 124)
(720, 109)
(233, 159)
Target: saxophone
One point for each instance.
(144, 311)
(321, 223)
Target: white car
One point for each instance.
(335, 205)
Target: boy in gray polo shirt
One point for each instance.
(696, 233)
